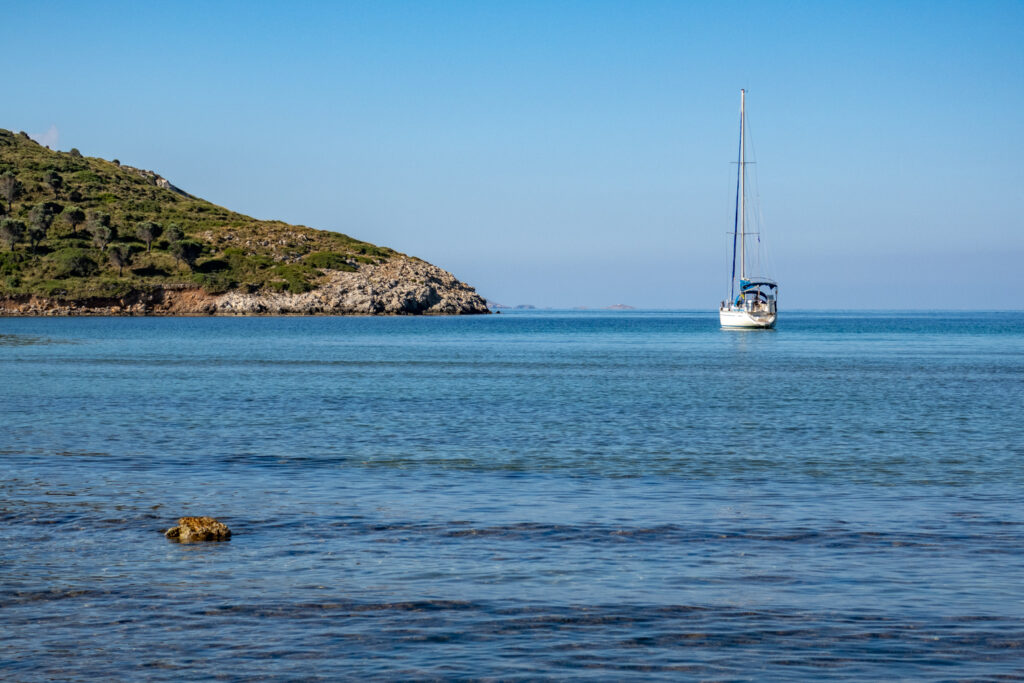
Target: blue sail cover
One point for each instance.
(753, 284)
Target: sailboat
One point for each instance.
(755, 304)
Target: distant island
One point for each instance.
(85, 236)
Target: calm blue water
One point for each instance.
(570, 495)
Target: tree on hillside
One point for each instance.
(35, 234)
(40, 219)
(10, 189)
(54, 209)
(97, 218)
(120, 256)
(186, 251)
(42, 214)
(55, 181)
(75, 217)
(11, 232)
(147, 232)
(174, 233)
(101, 230)
(102, 235)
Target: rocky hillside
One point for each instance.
(81, 235)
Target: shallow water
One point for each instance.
(588, 495)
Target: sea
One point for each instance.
(603, 495)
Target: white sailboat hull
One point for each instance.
(740, 318)
(755, 305)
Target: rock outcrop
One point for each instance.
(197, 529)
(399, 286)
(158, 180)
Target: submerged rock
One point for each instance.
(193, 529)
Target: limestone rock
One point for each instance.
(399, 286)
(156, 179)
(193, 529)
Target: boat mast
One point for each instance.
(743, 177)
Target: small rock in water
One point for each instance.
(192, 529)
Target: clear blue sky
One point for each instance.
(571, 153)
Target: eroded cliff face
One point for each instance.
(400, 286)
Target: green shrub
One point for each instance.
(88, 177)
(109, 287)
(277, 286)
(294, 279)
(10, 262)
(214, 283)
(370, 250)
(150, 271)
(52, 288)
(73, 263)
(329, 259)
(214, 265)
(187, 251)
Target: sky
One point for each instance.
(566, 154)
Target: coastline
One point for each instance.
(400, 286)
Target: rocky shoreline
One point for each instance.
(399, 286)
